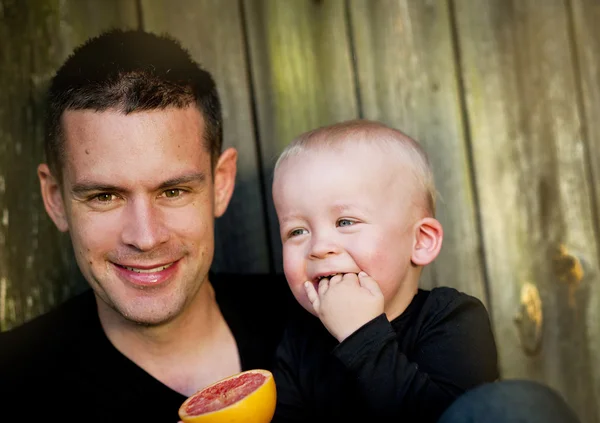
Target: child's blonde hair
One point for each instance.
(361, 130)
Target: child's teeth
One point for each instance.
(329, 277)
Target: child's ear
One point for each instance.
(52, 196)
(428, 241)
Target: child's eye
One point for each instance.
(297, 232)
(345, 222)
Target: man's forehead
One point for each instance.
(98, 127)
(142, 142)
(190, 114)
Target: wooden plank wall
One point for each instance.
(408, 79)
(302, 72)
(535, 195)
(36, 266)
(503, 94)
(213, 32)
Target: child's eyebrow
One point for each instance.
(291, 218)
(354, 209)
(341, 208)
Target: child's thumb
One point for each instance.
(369, 283)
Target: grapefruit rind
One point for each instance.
(256, 407)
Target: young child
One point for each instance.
(356, 204)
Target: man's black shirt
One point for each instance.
(62, 367)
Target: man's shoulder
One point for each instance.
(256, 293)
(48, 332)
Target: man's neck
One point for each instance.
(187, 353)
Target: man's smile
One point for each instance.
(145, 270)
(143, 276)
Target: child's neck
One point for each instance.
(400, 302)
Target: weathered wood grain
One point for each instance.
(302, 70)
(408, 79)
(534, 192)
(213, 32)
(530, 70)
(586, 39)
(37, 270)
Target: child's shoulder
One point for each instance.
(445, 295)
(449, 303)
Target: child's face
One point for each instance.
(343, 211)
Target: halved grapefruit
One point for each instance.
(248, 397)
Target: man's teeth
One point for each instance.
(156, 269)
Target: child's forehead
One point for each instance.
(359, 154)
(320, 168)
(349, 156)
(351, 148)
(373, 152)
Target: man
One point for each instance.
(136, 175)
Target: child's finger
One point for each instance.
(323, 286)
(335, 279)
(312, 295)
(369, 283)
(351, 278)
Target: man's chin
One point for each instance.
(149, 319)
(149, 313)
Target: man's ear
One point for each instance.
(428, 241)
(53, 200)
(225, 171)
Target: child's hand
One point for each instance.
(346, 302)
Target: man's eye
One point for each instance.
(345, 222)
(172, 193)
(104, 197)
(297, 232)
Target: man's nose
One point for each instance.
(144, 226)
(323, 245)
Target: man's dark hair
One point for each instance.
(130, 70)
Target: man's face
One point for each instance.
(343, 212)
(139, 201)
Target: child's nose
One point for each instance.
(323, 246)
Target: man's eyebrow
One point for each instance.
(184, 179)
(85, 187)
